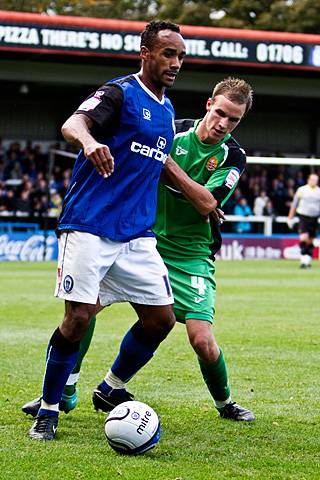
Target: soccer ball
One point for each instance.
(132, 428)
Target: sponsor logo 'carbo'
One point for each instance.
(147, 151)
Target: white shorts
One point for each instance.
(92, 267)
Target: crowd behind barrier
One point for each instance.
(27, 192)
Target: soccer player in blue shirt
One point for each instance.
(107, 251)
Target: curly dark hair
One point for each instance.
(149, 35)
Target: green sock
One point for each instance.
(85, 344)
(69, 389)
(215, 376)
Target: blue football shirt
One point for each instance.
(123, 206)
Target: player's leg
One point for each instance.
(311, 228)
(62, 355)
(137, 348)
(69, 397)
(214, 370)
(82, 263)
(310, 249)
(149, 292)
(307, 234)
(194, 291)
(306, 247)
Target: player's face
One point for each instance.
(222, 117)
(313, 181)
(163, 62)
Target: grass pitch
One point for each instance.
(268, 325)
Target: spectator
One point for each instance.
(232, 201)
(268, 209)
(16, 172)
(260, 203)
(55, 204)
(23, 203)
(8, 202)
(300, 181)
(278, 194)
(242, 208)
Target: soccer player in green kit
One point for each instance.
(213, 162)
(204, 168)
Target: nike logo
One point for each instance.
(181, 151)
(198, 299)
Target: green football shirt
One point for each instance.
(180, 230)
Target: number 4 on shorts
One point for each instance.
(198, 284)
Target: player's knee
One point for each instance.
(206, 348)
(157, 321)
(76, 320)
(169, 321)
(199, 343)
(63, 344)
(145, 334)
(163, 327)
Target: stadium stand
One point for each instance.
(26, 192)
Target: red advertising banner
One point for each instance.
(262, 248)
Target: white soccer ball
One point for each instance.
(132, 428)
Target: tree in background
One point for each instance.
(277, 15)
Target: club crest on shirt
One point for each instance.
(212, 164)
(68, 283)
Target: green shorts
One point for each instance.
(194, 288)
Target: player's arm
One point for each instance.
(294, 205)
(293, 209)
(100, 110)
(199, 196)
(225, 178)
(76, 131)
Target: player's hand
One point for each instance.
(290, 223)
(101, 158)
(218, 216)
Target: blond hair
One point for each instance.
(236, 90)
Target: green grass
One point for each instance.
(268, 325)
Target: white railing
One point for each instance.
(283, 161)
(265, 220)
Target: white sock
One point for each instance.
(113, 381)
(73, 378)
(49, 406)
(223, 403)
